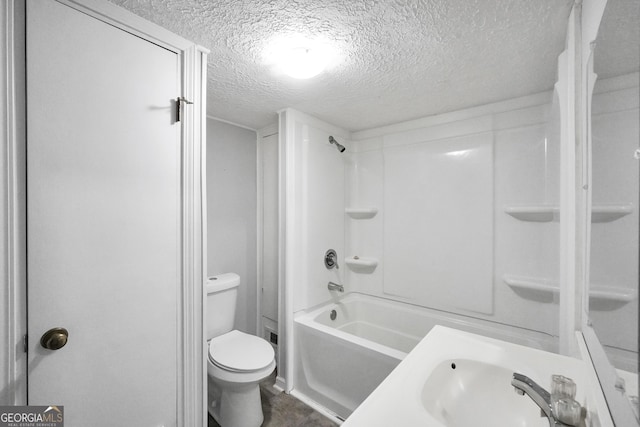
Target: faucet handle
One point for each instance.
(567, 411)
(331, 259)
(562, 386)
(563, 403)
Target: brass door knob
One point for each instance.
(54, 339)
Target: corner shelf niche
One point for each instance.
(600, 297)
(361, 264)
(547, 213)
(361, 213)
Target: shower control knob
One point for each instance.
(331, 259)
(54, 339)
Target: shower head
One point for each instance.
(339, 146)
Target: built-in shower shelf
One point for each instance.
(361, 213)
(547, 213)
(608, 213)
(532, 284)
(533, 213)
(361, 264)
(600, 297)
(606, 293)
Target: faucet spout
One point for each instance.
(563, 411)
(525, 385)
(335, 287)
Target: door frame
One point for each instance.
(191, 402)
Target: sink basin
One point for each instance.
(464, 392)
(457, 379)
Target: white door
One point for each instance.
(103, 220)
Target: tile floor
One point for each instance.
(283, 410)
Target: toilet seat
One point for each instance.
(236, 351)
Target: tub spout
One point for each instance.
(335, 287)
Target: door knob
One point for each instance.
(54, 339)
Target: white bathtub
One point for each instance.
(338, 363)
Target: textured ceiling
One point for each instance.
(397, 59)
(617, 49)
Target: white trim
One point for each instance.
(203, 221)
(259, 232)
(580, 296)
(13, 362)
(269, 130)
(316, 123)
(523, 118)
(317, 407)
(565, 87)
(454, 116)
(612, 84)
(192, 374)
(589, 80)
(230, 123)
(131, 23)
(286, 235)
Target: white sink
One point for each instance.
(457, 379)
(461, 392)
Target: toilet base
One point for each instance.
(235, 405)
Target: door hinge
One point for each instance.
(179, 102)
(25, 342)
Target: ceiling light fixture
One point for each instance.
(303, 62)
(299, 58)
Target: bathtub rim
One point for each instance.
(489, 328)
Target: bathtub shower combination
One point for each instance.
(347, 348)
(392, 231)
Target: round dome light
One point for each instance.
(303, 62)
(299, 57)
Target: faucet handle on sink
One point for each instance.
(562, 386)
(567, 411)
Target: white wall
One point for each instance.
(231, 212)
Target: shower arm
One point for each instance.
(339, 146)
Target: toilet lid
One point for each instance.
(238, 351)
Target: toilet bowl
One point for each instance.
(237, 361)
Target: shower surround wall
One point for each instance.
(317, 169)
(442, 237)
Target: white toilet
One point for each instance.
(237, 361)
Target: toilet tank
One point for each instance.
(222, 292)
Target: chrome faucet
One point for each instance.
(335, 287)
(525, 385)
